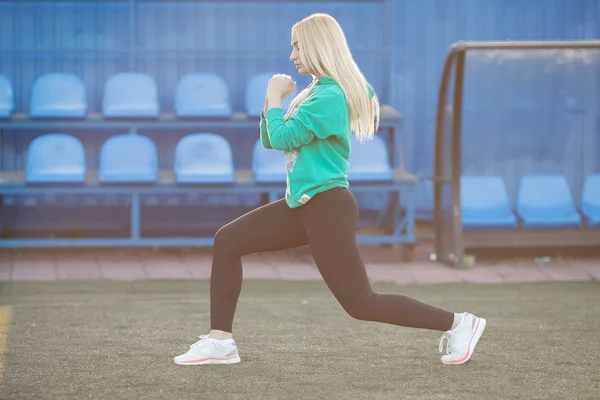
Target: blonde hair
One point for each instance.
(324, 51)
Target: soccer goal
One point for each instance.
(517, 147)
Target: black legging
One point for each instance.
(327, 224)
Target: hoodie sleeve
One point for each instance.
(320, 116)
(264, 135)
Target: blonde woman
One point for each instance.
(318, 209)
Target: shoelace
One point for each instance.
(445, 340)
(202, 338)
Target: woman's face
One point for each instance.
(295, 56)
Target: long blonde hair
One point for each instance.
(324, 51)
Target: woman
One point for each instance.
(318, 209)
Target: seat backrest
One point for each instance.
(540, 194)
(369, 161)
(268, 162)
(130, 95)
(590, 197)
(202, 95)
(55, 158)
(256, 90)
(58, 95)
(128, 158)
(198, 156)
(484, 194)
(7, 102)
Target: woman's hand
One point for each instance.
(291, 90)
(280, 86)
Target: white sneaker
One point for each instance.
(209, 351)
(461, 341)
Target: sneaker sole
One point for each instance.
(481, 324)
(210, 361)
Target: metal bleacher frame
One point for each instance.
(451, 238)
(402, 188)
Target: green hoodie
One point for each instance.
(315, 141)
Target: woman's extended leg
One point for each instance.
(329, 220)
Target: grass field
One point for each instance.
(115, 340)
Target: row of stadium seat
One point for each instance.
(139, 202)
(200, 158)
(543, 201)
(135, 95)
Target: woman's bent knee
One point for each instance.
(225, 239)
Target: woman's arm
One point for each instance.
(264, 135)
(321, 116)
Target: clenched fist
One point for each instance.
(281, 86)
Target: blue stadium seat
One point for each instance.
(200, 159)
(55, 158)
(369, 161)
(590, 200)
(485, 202)
(545, 201)
(268, 165)
(130, 95)
(7, 102)
(202, 95)
(256, 90)
(58, 95)
(204, 158)
(128, 158)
